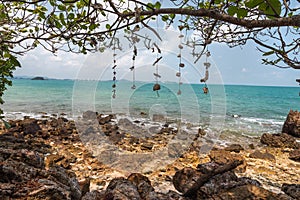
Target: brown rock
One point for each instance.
(247, 192)
(184, 179)
(279, 140)
(295, 155)
(30, 126)
(121, 188)
(264, 156)
(291, 125)
(235, 148)
(292, 190)
(142, 183)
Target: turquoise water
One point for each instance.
(260, 108)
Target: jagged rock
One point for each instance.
(121, 188)
(292, 190)
(105, 119)
(142, 183)
(93, 195)
(158, 117)
(246, 192)
(264, 156)
(171, 195)
(235, 148)
(30, 126)
(89, 115)
(291, 125)
(295, 155)
(279, 140)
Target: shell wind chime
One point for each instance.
(207, 65)
(114, 85)
(157, 76)
(181, 64)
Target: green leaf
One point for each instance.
(157, 5)
(253, 3)
(71, 16)
(62, 18)
(165, 17)
(241, 13)
(107, 26)
(268, 53)
(232, 10)
(14, 61)
(150, 6)
(62, 7)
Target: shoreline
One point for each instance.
(72, 151)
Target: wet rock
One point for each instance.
(260, 155)
(235, 148)
(89, 115)
(295, 155)
(142, 183)
(279, 140)
(30, 126)
(158, 117)
(291, 125)
(293, 190)
(121, 188)
(105, 119)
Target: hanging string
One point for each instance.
(181, 65)
(207, 65)
(133, 67)
(156, 86)
(114, 85)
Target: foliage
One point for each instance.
(88, 25)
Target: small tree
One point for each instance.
(85, 25)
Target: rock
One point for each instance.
(184, 179)
(292, 190)
(279, 140)
(246, 192)
(171, 195)
(121, 188)
(105, 119)
(235, 148)
(146, 146)
(142, 183)
(295, 155)
(89, 115)
(291, 125)
(224, 157)
(94, 195)
(158, 117)
(30, 126)
(264, 156)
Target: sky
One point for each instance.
(239, 65)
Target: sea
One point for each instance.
(233, 110)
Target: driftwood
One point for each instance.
(206, 177)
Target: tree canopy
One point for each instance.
(81, 26)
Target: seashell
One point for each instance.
(180, 46)
(181, 36)
(133, 87)
(156, 87)
(208, 54)
(181, 28)
(114, 54)
(181, 64)
(114, 96)
(179, 92)
(114, 66)
(131, 68)
(156, 75)
(206, 64)
(178, 74)
(179, 56)
(114, 86)
(114, 78)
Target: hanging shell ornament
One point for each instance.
(179, 92)
(181, 64)
(133, 87)
(156, 87)
(178, 74)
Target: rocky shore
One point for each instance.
(51, 158)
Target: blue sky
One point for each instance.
(239, 65)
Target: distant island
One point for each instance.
(38, 78)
